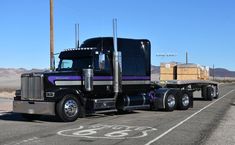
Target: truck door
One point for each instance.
(103, 78)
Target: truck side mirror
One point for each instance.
(101, 61)
(88, 79)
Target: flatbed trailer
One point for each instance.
(209, 89)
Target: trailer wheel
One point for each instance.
(184, 101)
(210, 93)
(170, 101)
(31, 116)
(216, 93)
(207, 93)
(69, 108)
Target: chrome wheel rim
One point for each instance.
(212, 92)
(185, 100)
(70, 108)
(171, 101)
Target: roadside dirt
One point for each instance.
(8, 95)
(6, 106)
(6, 101)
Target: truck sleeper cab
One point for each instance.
(95, 78)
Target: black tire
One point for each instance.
(31, 116)
(216, 93)
(69, 108)
(204, 92)
(209, 93)
(184, 101)
(170, 101)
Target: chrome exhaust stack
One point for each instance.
(88, 79)
(117, 63)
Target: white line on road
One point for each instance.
(2, 113)
(171, 129)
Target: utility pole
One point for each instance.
(213, 72)
(186, 57)
(52, 65)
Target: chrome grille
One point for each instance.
(32, 87)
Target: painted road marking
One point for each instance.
(171, 129)
(2, 113)
(108, 131)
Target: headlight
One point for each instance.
(50, 94)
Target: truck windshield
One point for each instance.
(75, 64)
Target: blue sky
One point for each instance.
(204, 28)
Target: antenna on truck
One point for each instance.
(76, 35)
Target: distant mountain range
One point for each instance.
(11, 72)
(10, 77)
(221, 72)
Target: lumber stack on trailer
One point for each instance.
(188, 72)
(176, 71)
(205, 73)
(168, 71)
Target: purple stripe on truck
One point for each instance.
(52, 79)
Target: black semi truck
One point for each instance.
(104, 74)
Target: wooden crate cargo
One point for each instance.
(166, 77)
(205, 73)
(187, 77)
(167, 68)
(175, 71)
(168, 71)
(188, 72)
(202, 72)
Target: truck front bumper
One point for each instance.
(29, 107)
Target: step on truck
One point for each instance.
(104, 74)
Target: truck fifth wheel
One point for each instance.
(104, 74)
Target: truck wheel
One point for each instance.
(210, 93)
(170, 101)
(69, 108)
(204, 92)
(31, 116)
(184, 101)
(216, 93)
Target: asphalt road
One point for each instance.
(193, 126)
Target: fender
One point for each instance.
(60, 93)
(160, 97)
